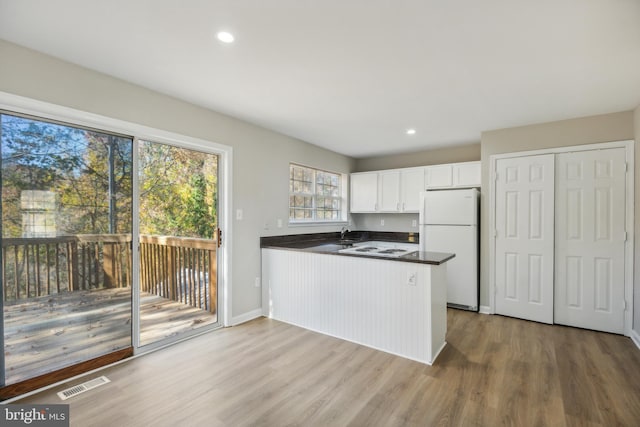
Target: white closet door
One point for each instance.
(525, 237)
(590, 236)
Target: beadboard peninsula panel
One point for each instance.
(367, 301)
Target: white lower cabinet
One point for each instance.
(396, 307)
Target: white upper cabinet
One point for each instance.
(398, 190)
(389, 191)
(467, 174)
(364, 192)
(411, 184)
(453, 175)
(439, 176)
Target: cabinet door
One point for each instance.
(467, 174)
(389, 185)
(364, 192)
(411, 184)
(439, 176)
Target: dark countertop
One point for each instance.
(329, 243)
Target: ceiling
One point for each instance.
(353, 76)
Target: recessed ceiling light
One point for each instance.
(411, 131)
(225, 37)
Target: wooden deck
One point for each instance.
(52, 332)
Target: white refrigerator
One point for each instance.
(449, 223)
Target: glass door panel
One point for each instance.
(178, 243)
(66, 245)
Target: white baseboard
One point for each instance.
(254, 314)
(635, 337)
(485, 309)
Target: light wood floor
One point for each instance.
(494, 371)
(52, 332)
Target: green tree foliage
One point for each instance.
(84, 196)
(74, 164)
(35, 156)
(198, 215)
(178, 194)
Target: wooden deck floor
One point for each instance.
(52, 332)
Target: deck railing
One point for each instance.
(176, 268)
(33, 267)
(180, 269)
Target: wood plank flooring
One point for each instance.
(48, 333)
(494, 371)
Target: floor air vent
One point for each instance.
(81, 388)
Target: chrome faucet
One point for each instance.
(344, 231)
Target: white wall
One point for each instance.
(461, 153)
(261, 157)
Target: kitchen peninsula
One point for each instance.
(396, 304)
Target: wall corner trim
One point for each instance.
(250, 315)
(485, 309)
(635, 337)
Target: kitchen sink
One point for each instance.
(331, 247)
(347, 242)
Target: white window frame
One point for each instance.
(342, 213)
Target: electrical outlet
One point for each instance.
(414, 223)
(382, 222)
(266, 225)
(257, 282)
(279, 223)
(412, 278)
(239, 214)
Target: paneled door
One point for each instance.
(590, 236)
(525, 237)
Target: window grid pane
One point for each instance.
(314, 194)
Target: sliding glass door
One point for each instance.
(178, 241)
(66, 246)
(78, 289)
